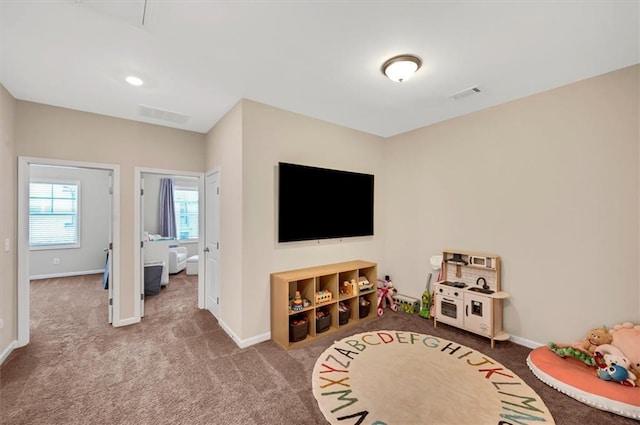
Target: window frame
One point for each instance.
(192, 189)
(78, 215)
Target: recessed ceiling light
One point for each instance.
(401, 68)
(134, 81)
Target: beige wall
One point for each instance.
(8, 221)
(246, 145)
(224, 151)
(271, 135)
(550, 183)
(49, 132)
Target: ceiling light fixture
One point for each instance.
(134, 81)
(401, 68)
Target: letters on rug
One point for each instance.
(397, 377)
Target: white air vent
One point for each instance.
(465, 93)
(164, 115)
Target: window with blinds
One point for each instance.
(54, 214)
(186, 207)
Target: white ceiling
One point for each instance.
(317, 58)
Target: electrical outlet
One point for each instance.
(7, 245)
(1, 323)
(56, 260)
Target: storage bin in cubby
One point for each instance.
(298, 332)
(344, 312)
(323, 324)
(343, 317)
(364, 307)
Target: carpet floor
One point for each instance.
(179, 367)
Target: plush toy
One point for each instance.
(626, 337)
(568, 351)
(583, 350)
(613, 365)
(596, 338)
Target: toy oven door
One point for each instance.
(449, 310)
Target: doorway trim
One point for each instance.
(137, 231)
(24, 289)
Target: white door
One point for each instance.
(212, 243)
(142, 227)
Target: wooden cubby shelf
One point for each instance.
(310, 282)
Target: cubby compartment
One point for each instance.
(345, 314)
(299, 326)
(323, 319)
(306, 288)
(348, 284)
(320, 287)
(364, 307)
(326, 289)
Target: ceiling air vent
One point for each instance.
(163, 114)
(465, 93)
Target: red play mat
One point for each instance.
(577, 380)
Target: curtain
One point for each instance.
(167, 209)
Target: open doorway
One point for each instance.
(61, 231)
(166, 255)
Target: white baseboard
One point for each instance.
(12, 345)
(526, 342)
(125, 322)
(67, 274)
(244, 343)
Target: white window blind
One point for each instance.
(53, 214)
(186, 207)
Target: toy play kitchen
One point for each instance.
(468, 295)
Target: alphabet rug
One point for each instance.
(397, 377)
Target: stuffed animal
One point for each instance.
(613, 365)
(595, 338)
(626, 337)
(568, 351)
(583, 350)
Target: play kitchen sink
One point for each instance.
(469, 295)
(481, 290)
(484, 289)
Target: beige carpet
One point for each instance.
(400, 377)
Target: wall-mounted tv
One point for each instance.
(320, 203)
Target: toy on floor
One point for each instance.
(583, 350)
(426, 300)
(385, 293)
(613, 365)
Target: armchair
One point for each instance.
(177, 259)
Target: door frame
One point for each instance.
(137, 231)
(24, 287)
(209, 220)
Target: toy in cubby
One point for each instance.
(296, 303)
(347, 287)
(364, 284)
(323, 296)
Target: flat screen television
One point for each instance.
(320, 203)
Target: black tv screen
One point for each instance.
(319, 203)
